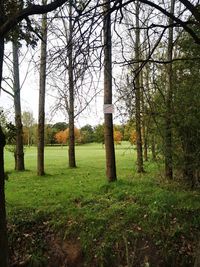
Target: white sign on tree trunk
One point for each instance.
(108, 109)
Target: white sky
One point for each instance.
(30, 95)
(29, 80)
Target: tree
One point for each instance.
(19, 150)
(117, 137)
(133, 137)
(128, 128)
(144, 117)
(169, 98)
(108, 120)
(99, 133)
(41, 113)
(61, 137)
(77, 135)
(60, 126)
(72, 67)
(71, 152)
(186, 112)
(3, 229)
(50, 132)
(28, 122)
(138, 93)
(87, 134)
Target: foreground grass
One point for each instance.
(139, 219)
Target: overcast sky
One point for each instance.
(30, 94)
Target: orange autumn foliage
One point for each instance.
(62, 137)
(133, 137)
(117, 137)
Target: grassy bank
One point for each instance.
(136, 221)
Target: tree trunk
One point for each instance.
(108, 119)
(72, 159)
(169, 96)
(189, 153)
(145, 145)
(3, 224)
(144, 121)
(153, 148)
(41, 113)
(19, 152)
(3, 227)
(140, 167)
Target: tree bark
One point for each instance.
(140, 167)
(3, 227)
(169, 98)
(19, 151)
(108, 119)
(71, 152)
(3, 224)
(41, 113)
(144, 121)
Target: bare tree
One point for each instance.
(72, 161)
(3, 228)
(169, 98)
(138, 94)
(19, 150)
(108, 119)
(42, 89)
(28, 121)
(144, 119)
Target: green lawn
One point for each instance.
(138, 220)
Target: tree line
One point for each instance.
(58, 133)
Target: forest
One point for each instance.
(123, 190)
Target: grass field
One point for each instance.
(136, 221)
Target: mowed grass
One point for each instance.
(112, 221)
(61, 184)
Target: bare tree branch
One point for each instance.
(24, 13)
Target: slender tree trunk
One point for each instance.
(144, 123)
(145, 145)
(108, 119)
(153, 147)
(29, 137)
(169, 96)
(3, 224)
(140, 167)
(3, 227)
(72, 159)
(41, 113)
(19, 152)
(188, 152)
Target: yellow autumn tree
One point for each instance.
(61, 137)
(133, 137)
(117, 137)
(77, 134)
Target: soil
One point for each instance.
(64, 253)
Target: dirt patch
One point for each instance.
(64, 253)
(36, 245)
